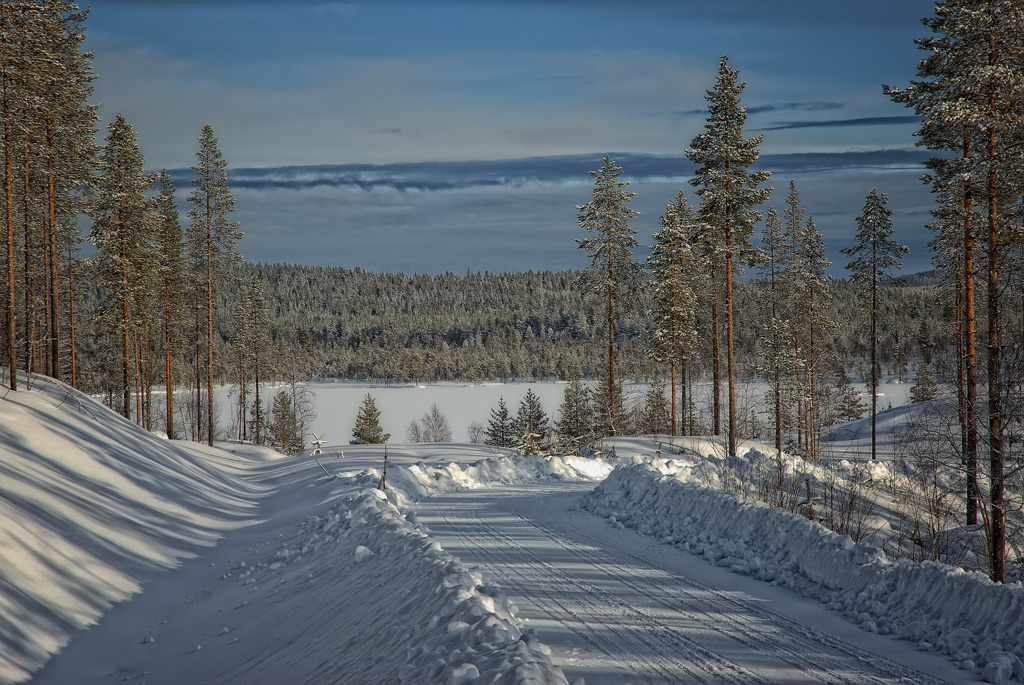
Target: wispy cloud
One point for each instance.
(816, 106)
(813, 106)
(844, 123)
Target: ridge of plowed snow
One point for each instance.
(975, 622)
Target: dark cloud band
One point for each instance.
(555, 171)
(844, 123)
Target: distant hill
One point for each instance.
(922, 279)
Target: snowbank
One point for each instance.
(420, 480)
(408, 593)
(404, 589)
(978, 624)
(90, 507)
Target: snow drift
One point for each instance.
(976, 623)
(91, 506)
(405, 592)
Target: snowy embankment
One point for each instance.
(91, 506)
(979, 625)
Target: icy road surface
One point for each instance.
(616, 607)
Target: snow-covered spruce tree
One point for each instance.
(777, 344)
(676, 279)
(653, 416)
(367, 430)
(924, 388)
(500, 431)
(612, 266)
(730, 194)
(971, 100)
(285, 429)
(531, 420)
(122, 235)
(575, 424)
(252, 349)
(211, 242)
(874, 255)
(814, 306)
(169, 247)
(841, 402)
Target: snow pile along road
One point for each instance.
(976, 623)
(408, 597)
(420, 480)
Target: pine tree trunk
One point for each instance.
(970, 356)
(684, 400)
(611, 344)
(12, 336)
(73, 340)
(716, 360)
(778, 410)
(197, 421)
(209, 349)
(29, 319)
(126, 396)
(672, 365)
(168, 362)
(812, 420)
(53, 258)
(256, 402)
(674, 426)
(997, 566)
(730, 352)
(874, 361)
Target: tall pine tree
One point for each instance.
(212, 239)
(730, 194)
(606, 217)
(676, 279)
(169, 243)
(874, 255)
(122, 235)
(971, 100)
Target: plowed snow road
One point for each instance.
(616, 607)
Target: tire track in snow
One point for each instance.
(665, 635)
(823, 657)
(623, 632)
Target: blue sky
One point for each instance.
(451, 136)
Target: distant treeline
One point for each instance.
(354, 324)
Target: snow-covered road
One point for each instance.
(616, 607)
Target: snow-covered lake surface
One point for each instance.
(135, 559)
(337, 403)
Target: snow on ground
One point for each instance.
(310, 575)
(259, 568)
(337, 403)
(979, 625)
(91, 506)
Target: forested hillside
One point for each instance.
(349, 323)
